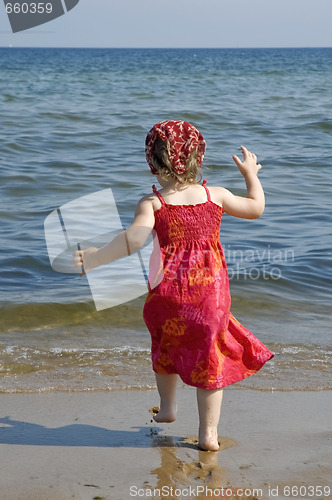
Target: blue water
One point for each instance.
(73, 122)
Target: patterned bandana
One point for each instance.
(181, 139)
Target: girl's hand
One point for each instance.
(249, 164)
(86, 260)
(251, 206)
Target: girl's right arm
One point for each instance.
(253, 205)
(125, 243)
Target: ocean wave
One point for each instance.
(85, 368)
(28, 317)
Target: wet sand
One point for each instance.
(104, 445)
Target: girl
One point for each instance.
(194, 335)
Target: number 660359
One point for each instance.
(29, 8)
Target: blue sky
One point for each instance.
(181, 23)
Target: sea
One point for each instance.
(73, 123)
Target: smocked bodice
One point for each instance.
(181, 224)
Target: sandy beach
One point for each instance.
(104, 445)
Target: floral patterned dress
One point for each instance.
(188, 313)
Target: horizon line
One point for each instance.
(10, 46)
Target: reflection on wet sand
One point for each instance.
(183, 465)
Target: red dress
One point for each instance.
(188, 314)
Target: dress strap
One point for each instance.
(155, 190)
(207, 191)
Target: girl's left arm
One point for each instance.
(252, 206)
(125, 243)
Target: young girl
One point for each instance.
(194, 335)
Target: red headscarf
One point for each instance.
(181, 139)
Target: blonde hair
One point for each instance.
(161, 162)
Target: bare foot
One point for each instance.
(208, 439)
(165, 414)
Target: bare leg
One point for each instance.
(166, 385)
(209, 406)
